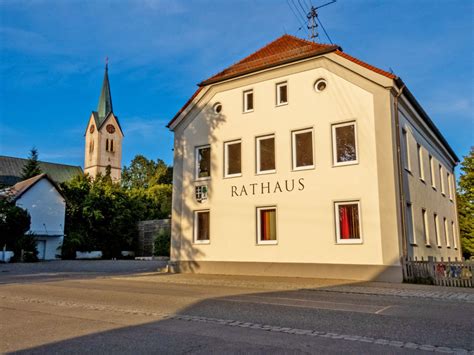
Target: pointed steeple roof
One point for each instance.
(105, 99)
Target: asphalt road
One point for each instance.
(126, 307)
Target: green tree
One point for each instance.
(31, 167)
(14, 223)
(465, 200)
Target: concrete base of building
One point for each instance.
(385, 273)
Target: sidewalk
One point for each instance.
(325, 285)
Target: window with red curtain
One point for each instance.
(349, 227)
(267, 225)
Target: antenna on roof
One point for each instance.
(313, 21)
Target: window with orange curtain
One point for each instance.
(348, 222)
(266, 225)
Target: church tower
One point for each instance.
(103, 137)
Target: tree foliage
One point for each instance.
(31, 167)
(103, 215)
(465, 200)
(14, 223)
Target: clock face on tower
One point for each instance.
(91, 129)
(110, 128)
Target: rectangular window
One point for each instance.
(344, 141)
(281, 94)
(432, 173)
(248, 101)
(450, 186)
(437, 234)
(407, 149)
(446, 233)
(441, 180)
(233, 159)
(201, 227)
(302, 144)
(426, 234)
(203, 162)
(266, 154)
(266, 225)
(348, 222)
(410, 226)
(455, 235)
(420, 162)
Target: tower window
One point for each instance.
(111, 145)
(107, 145)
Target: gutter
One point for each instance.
(400, 174)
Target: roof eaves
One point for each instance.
(184, 107)
(411, 98)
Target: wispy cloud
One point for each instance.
(26, 41)
(142, 127)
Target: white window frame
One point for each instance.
(411, 226)
(339, 240)
(195, 227)
(432, 172)
(421, 167)
(293, 149)
(450, 185)
(226, 158)
(407, 150)
(278, 98)
(245, 100)
(334, 144)
(257, 142)
(437, 233)
(266, 242)
(426, 227)
(446, 233)
(455, 236)
(441, 180)
(196, 163)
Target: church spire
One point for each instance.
(105, 99)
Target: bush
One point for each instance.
(162, 244)
(27, 243)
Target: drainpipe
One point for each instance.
(400, 175)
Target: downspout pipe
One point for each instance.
(400, 175)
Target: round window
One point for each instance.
(91, 129)
(217, 107)
(110, 128)
(320, 85)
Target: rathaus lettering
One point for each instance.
(267, 188)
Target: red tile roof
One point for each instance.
(283, 50)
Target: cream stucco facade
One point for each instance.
(306, 223)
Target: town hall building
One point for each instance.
(103, 137)
(301, 160)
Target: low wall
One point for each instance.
(5, 256)
(147, 231)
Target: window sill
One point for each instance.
(282, 104)
(348, 242)
(353, 162)
(202, 179)
(232, 176)
(203, 242)
(303, 168)
(266, 172)
(268, 242)
(249, 111)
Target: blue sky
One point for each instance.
(52, 61)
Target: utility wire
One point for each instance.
(325, 32)
(301, 14)
(298, 18)
(305, 11)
